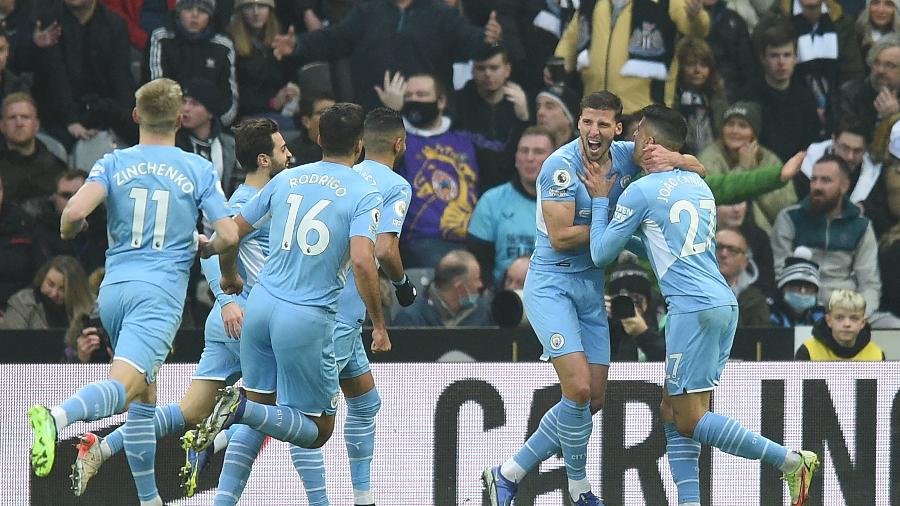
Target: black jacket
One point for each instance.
(789, 118)
(259, 77)
(17, 244)
(822, 333)
(856, 98)
(29, 177)
(426, 37)
(729, 39)
(88, 247)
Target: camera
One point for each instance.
(100, 355)
(557, 68)
(621, 307)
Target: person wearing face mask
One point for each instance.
(798, 289)
(58, 293)
(844, 333)
(453, 299)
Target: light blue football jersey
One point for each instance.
(558, 181)
(676, 215)
(505, 217)
(314, 210)
(396, 192)
(152, 198)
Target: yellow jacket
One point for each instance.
(819, 351)
(608, 52)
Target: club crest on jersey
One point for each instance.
(557, 341)
(562, 178)
(624, 180)
(400, 207)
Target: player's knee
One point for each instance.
(665, 411)
(596, 405)
(579, 393)
(367, 409)
(326, 428)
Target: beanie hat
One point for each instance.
(243, 3)
(207, 6)
(204, 91)
(629, 277)
(747, 110)
(566, 98)
(799, 267)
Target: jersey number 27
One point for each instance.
(685, 206)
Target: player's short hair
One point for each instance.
(15, 98)
(842, 165)
(539, 131)
(253, 137)
(340, 128)
(452, 267)
(381, 128)
(775, 33)
(852, 125)
(848, 300)
(159, 104)
(602, 101)
(667, 125)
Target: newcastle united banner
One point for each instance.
(441, 424)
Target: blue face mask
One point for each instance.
(469, 300)
(800, 302)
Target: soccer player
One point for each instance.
(676, 215)
(385, 139)
(564, 299)
(262, 152)
(320, 214)
(152, 193)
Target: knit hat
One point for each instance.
(207, 6)
(565, 97)
(204, 91)
(799, 267)
(747, 110)
(629, 277)
(243, 3)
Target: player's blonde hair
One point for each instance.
(158, 105)
(848, 300)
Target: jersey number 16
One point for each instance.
(307, 224)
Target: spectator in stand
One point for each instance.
(58, 293)
(828, 50)
(759, 249)
(89, 248)
(453, 299)
(502, 226)
(740, 273)
(201, 130)
(699, 94)
(441, 166)
(10, 82)
(28, 169)
(262, 79)
(26, 34)
(729, 39)
(514, 277)
(84, 83)
(494, 111)
(738, 148)
(305, 145)
(406, 36)
(788, 106)
(844, 333)
(627, 48)
(539, 24)
(85, 342)
(839, 236)
(875, 97)
(556, 108)
(192, 49)
(878, 19)
(17, 248)
(751, 11)
(637, 337)
(796, 302)
(884, 150)
(889, 244)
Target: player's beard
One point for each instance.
(598, 154)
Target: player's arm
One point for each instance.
(656, 158)
(605, 245)
(82, 204)
(561, 229)
(363, 228)
(387, 246)
(232, 314)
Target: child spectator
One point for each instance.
(844, 333)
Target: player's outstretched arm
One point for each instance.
(362, 258)
(656, 158)
(82, 204)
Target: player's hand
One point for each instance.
(46, 37)
(233, 317)
(231, 285)
(391, 95)
(792, 166)
(656, 158)
(284, 45)
(596, 178)
(204, 246)
(87, 343)
(406, 291)
(516, 95)
(381, 342)
(886, 103)
(493, 32)
(747, 154)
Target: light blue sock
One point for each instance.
(140, 448)
(574, 425)
(726, 434)
(282, 423)
(359, 436)
(310, 464)
(684, 462)
(167, 420)
(543, 444)
(95, 401)
(242, 450)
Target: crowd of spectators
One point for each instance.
(488, 90)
